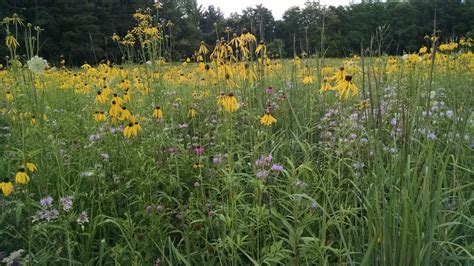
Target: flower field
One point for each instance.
(310, 161)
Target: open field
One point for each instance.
(378, 174)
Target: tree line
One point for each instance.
(80, 30)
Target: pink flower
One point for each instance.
(198, 150)
(269, 90)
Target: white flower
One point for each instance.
(37, 64)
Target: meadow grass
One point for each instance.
(381, 178)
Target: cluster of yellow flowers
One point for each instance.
(343, 84)
(21, 178)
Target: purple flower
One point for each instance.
(171, 150)
(198, 150)
(52, 215)
(217, 159)
(393, 122)
(277, 167)
(45, 202)
(431, 136)
(83, 218)
(66, 202)
(39, 215)
(262, 174)
(269, 90)
(449, 113)
(94, 137)
(314, 205)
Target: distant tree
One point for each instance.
(211, 19)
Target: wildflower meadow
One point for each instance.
(231, 157)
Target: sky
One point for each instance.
(278, 7)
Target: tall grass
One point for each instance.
(385, 185)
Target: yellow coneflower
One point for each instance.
(9, 96)
(115, 37)
(157, 113)
(192, 112)
(268, 119)
(128, 130)
(125, 114)
(325, 87)
(100, 116)
(117, 99)
(261, 48)
(100, 98)
(203, 49)
(364, 104)
(247, 37)
(6, 186)
(132, 119)
(126, 97)
(31, 167)
(114, 110)
(21, 177)
(308, 79)
(345, 87)
(423, 50)
(33, 120)
(11, 42)
(221, 98)
(136, 128)
(339, 75)
(230, 103)
(197, 166)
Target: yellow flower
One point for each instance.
(308, 80)
(99, 116)
(247, 36)
(114, 110)
(11, 42)
(126, 97)
(8, 96)
(192, 112)
(230, 104)
(136, 128)
(325, 87)
(423, 50)
(345, 87)
(21, 177)
(157, 113)
(117, 99)
(31, 167)
(128, 130)
(125, 114)
(203, 49)
(261, 48)
(197, 166)
(115, 37)
(268, 119)
(364, 104)
(100, 98)
(339, 75)
(6, 187)
(33, 120)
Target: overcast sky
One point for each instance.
(278, 7)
